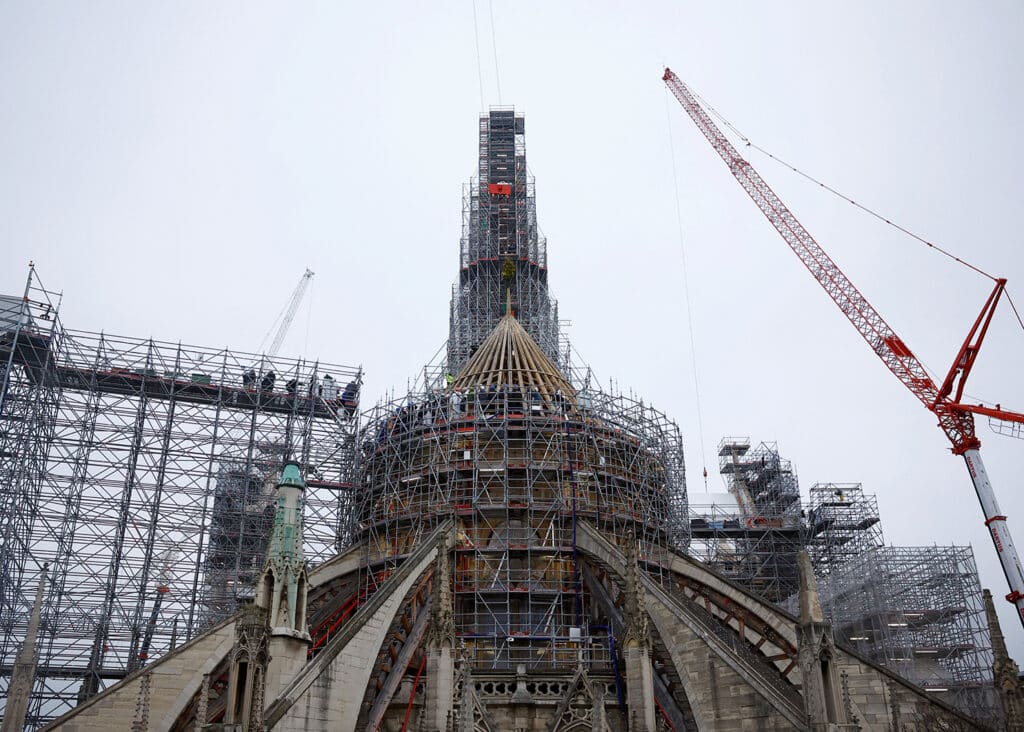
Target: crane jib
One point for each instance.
(956, 420)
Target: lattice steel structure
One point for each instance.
(502, 253)
(919, 612)
(754, 535)
(516, 471)
(916, 610)
(842, 525)
(742, 548)
(516, 466)
(136, 469)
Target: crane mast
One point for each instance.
(955, 419)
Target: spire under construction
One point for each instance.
(502, 255)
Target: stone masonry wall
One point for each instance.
(330, 692)
(174, 681)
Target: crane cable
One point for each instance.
(838, 194)
(494, 46)
(494, 49)
(479, 67)
(686, 293)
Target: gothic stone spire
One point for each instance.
(283, 585)
(1005, 673)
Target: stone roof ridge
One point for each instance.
(510, 357)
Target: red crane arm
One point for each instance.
(955, 419)
(964, 361)
(996, 413)
(958, 425)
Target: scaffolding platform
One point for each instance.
(516, 471)
(135, 465)
(753, 533)
(915, 610)
(730, 446)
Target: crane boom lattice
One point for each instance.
(955, 419)
(869, 322)
(293, 306)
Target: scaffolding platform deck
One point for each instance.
(138, 470)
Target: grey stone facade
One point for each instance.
(734, 662)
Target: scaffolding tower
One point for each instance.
(502, 254)
(842, 525)
(916, 610)
(919, 612)
(240, 522)
(753, 533)
(135, 468)
(515, 472)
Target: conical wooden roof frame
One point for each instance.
(510, 357)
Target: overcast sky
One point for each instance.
(173, 167)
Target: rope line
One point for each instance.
(494, 46)
(746, 141)
(862, 207)
(1014, 307)
(686, 293)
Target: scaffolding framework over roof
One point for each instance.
(916, 610)
(842, 525)
(502, 255)
(515, 441)
(136, 468)
(139, 470)
(516, 469)
(754, 537)
(919, 612)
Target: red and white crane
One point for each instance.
(955, 418)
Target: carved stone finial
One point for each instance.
(442, 616)
(848, 700)
(20, 686)
(999, 652)
(810, 603)
(521, 695)
(251, 653)
(283, 587)
(823, 692)
(470, 713)
(203, 704)
(637, 625)
(894, 705)
(1005, 673)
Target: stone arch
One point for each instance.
(765, 629)
(265, 592)
(300, 611)
(581, 707)
(685, 626)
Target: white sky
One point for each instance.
(173, 167)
